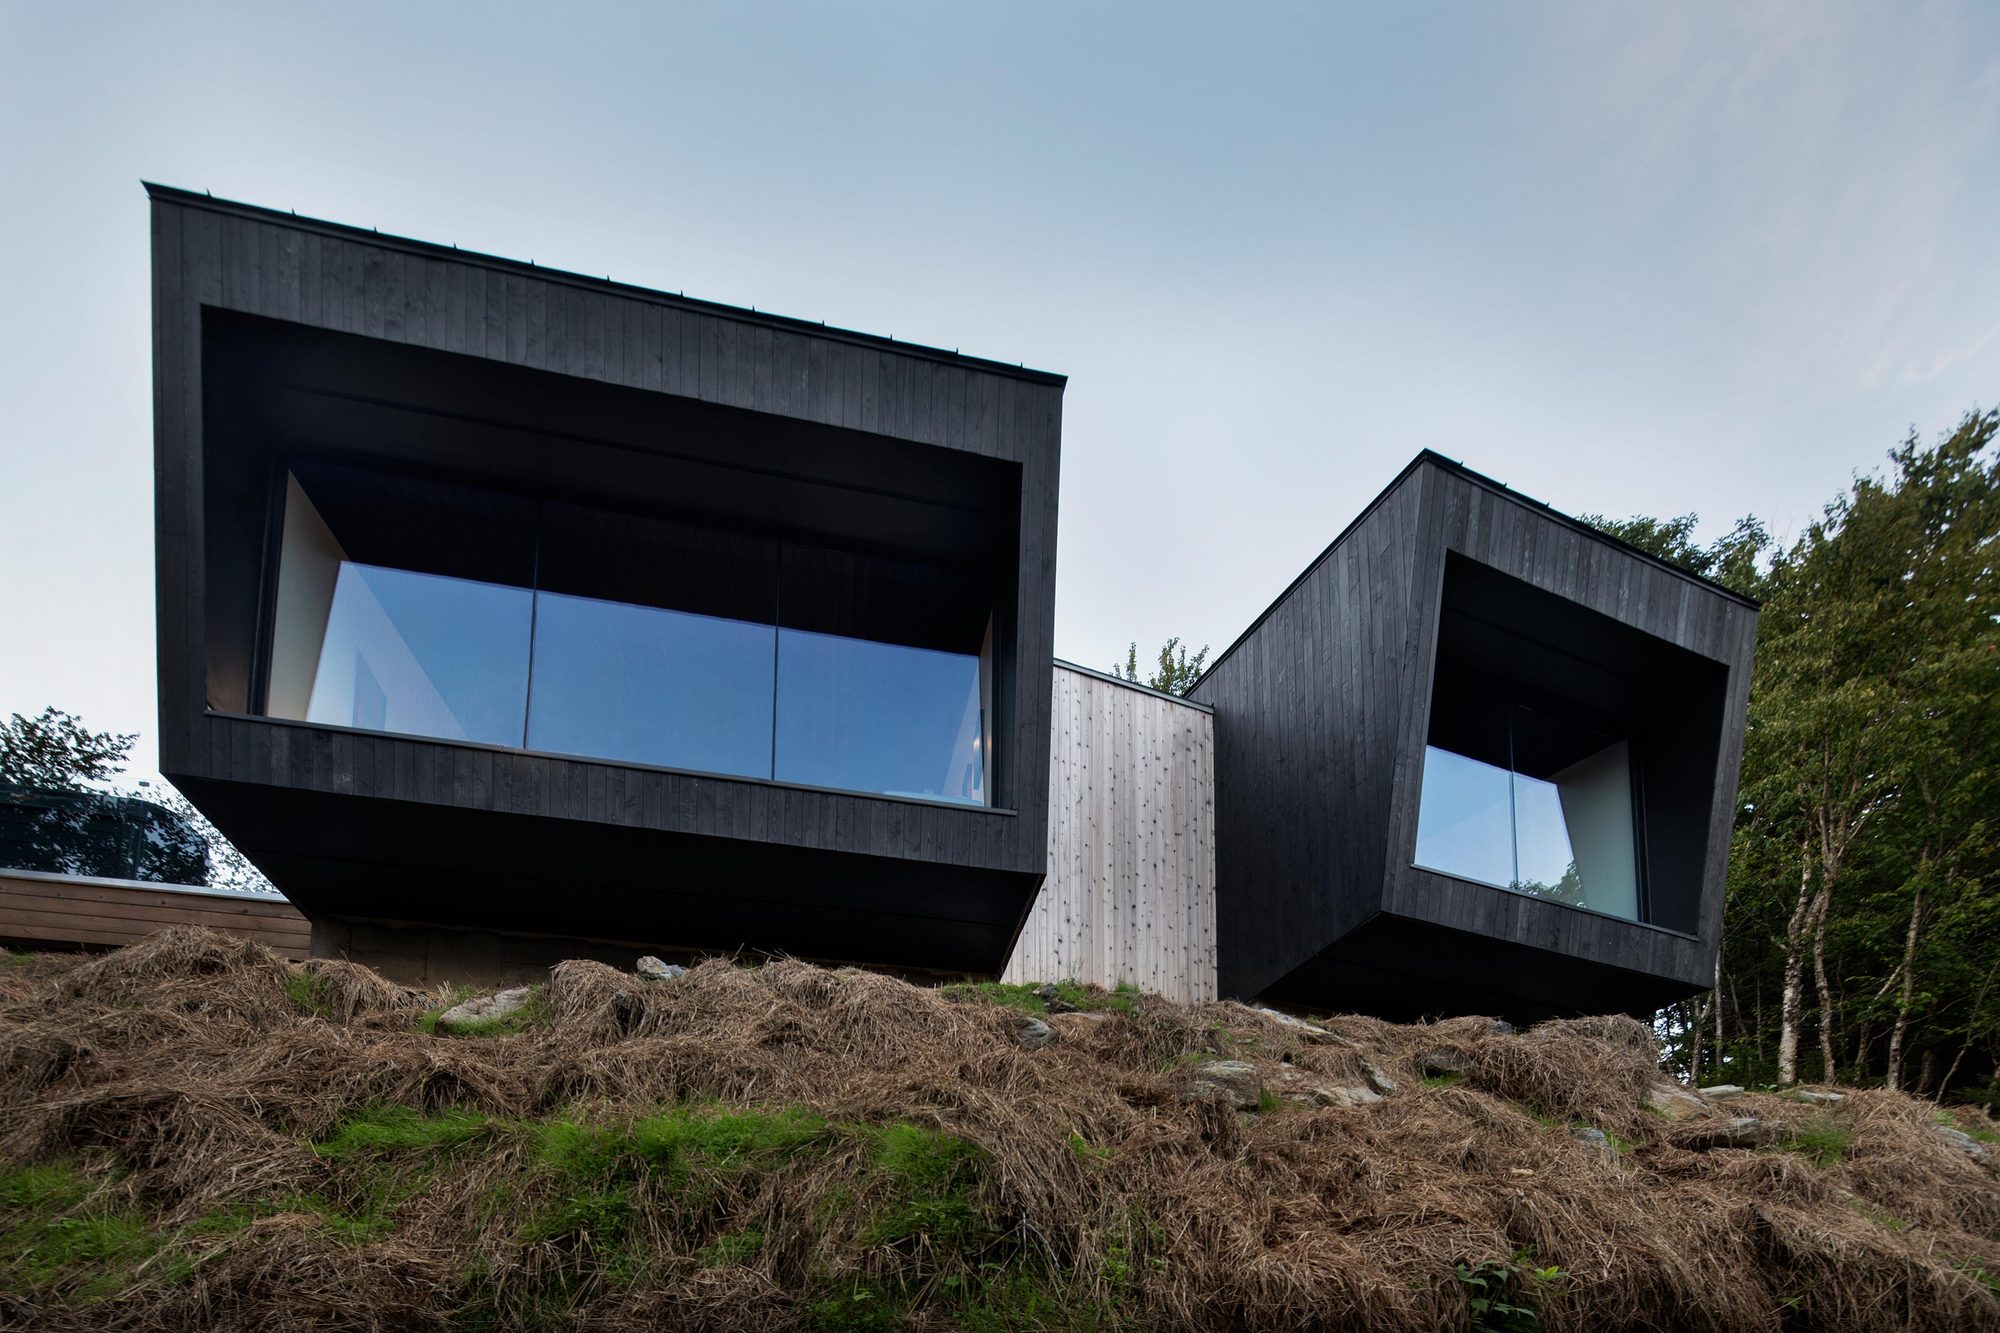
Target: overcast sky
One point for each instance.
(1626, 259)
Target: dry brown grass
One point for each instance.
(903, 1163)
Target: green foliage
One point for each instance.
(1174, 673)
(1445, 1080)
(1865, 836)
(856, 1305)
(54, 751)
(1504, 1295)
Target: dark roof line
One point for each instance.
(1430, 457)
(817, 328)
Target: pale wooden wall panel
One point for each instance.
(1130, 894)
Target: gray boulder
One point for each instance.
(1676, 1103)
(1377, 1078)
(1595, 1138)
(1820, 1098)
(1741, 1132)
(1052, 999)
(1234, 1081)
(1297, 1085)
(1721, 1091)
(485, 1008)
(1312, 1033)
(1963, 1141)
(1032, 1033)
(1439, 1062)
(653, 969)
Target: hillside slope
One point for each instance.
(196, 1134)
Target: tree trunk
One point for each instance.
(1792, 1000)
(1894, 1079)
(1822, 901)
(1718, 1008)
(1925, 1071)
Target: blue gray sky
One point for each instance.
(1705, 257)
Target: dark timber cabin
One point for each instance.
(420, 512)
(1479, 758)
(508, 614)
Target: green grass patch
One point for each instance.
(1449, 1080)
(592, 1170)
(1029, 1000)
(380, 1131)
(731, 1248)
(62, 1239)
(1823, 1142)
(310, 992)
(930, 1175)
(1088, 1153)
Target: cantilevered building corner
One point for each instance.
(508, 613)
(501, 599)
(1478, 758)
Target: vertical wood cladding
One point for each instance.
(1130, 893)
(211, 257)
(1321, 711)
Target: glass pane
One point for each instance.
(1464, 825)
(1595, 796)
(424, 655)
(879, 717)
(617, 681)
(1544, 864)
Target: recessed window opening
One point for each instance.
(409, 607)
(1567, 755)
(1527, 799)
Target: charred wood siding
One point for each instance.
(1321, 711)
(213, 259)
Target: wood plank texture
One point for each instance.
(66, 911)
(1130, 893)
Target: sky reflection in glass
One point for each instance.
(424, 655)
(651, 686)
(880, 717)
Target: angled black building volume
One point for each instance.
(498, 598)
(499, 603)
(1478, 758)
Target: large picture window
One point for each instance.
(1567, 755)
(1528, 800)
(407, 607)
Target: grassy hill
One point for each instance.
(196, 1134)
